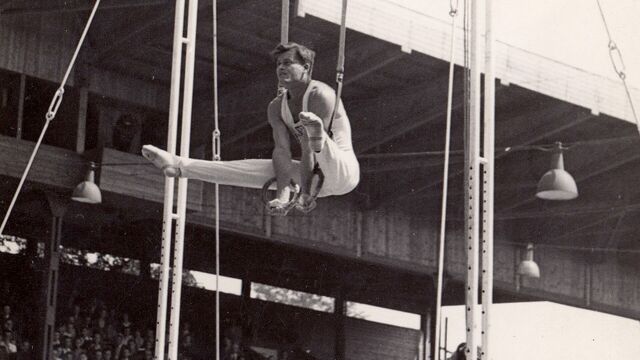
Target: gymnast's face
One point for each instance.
(290, 68)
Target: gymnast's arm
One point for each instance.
(281, 155)
(321, 102)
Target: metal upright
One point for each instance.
(188, 44)
(474, 182)
(488, 183)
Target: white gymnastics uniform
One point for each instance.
(336, 160)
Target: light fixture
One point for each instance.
(557, 183)
(87, 191)
(528, 267)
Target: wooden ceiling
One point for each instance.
(396, 102)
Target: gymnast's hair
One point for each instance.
(303, 53)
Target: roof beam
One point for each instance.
(80, 6)
(551, 127)
(584, 173)
(414, 106)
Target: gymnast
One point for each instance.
(304, 109)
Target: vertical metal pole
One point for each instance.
(472, 147)
(284, 24)
(185, 140)
(169, 182)
(488, 182)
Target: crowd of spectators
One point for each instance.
(12, 344)
(96, 332)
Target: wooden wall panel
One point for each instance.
(609, 287)
(52, 166)
(37, 45)
(365, 340)
(140, 181)
(145, 93)
(560, 270)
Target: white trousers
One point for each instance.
(340, 168)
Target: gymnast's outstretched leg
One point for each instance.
(250, 173)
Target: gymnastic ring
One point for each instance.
(292, 201)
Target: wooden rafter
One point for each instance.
(78, 7)
(520, 122)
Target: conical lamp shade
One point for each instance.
(87, 191)
(557, 184)
(528, 267)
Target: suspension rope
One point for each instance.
(216, 157)
(340, 67)
(51, 114)
(617, 62)
(284, 26)
(445, 182)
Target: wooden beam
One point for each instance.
(78, 7)
(375, 63)
(21, 94)
(128, 35)
(81, 135)
(417, 113)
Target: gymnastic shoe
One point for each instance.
(162, 160)
(306, 203)
(277, 207)
(315, 130)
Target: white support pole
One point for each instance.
(185, 142)
(284, 23)
(488, 177)
(472, 203)
(169, 183)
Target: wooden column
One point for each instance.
(23, 87)
(50, 275)
(81, 132)
(338, 320)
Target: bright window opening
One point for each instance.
(203, 280)
(383, 315)
(292, 297)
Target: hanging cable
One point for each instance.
(445, 182)
(615, 55)
(216, 157)
(340, 67)
(51, 114)
(284, 23)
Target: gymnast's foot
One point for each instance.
(315, 130)
(277, 207)
(161, 159)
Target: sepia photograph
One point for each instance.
(319, 180)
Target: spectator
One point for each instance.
(148, 354)
(8, 325)
(125, 355)
(125, 321)
(6, 313)
(97, 342)
(56, 340)
(97, 355)
(9, 342)
(69, 329)
(107, 354)
(66, 347)
(26, 351)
